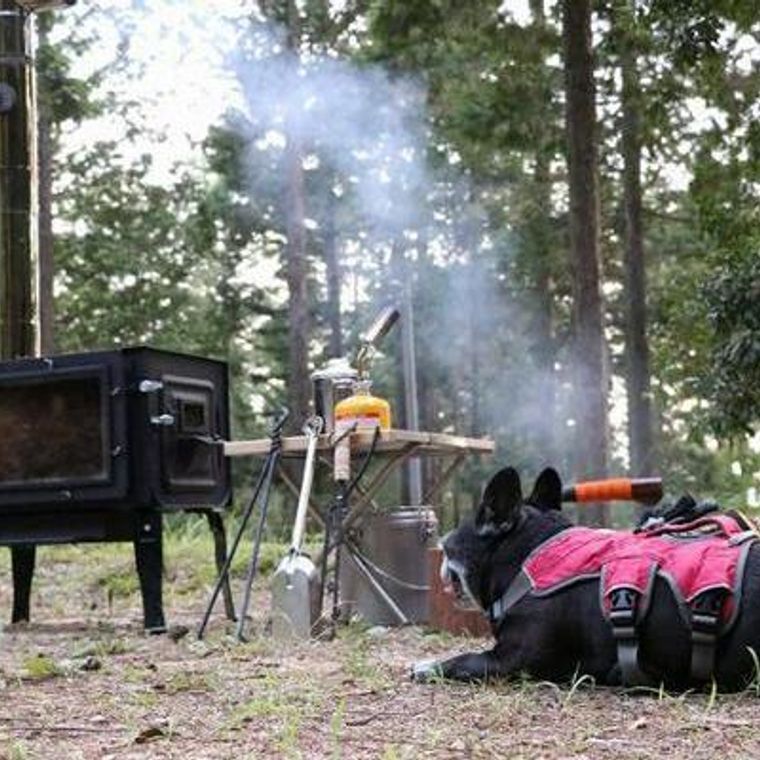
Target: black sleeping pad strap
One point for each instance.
(705, 626)
(624, 604)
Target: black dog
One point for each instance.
(565, 634)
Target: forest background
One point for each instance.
(566, 192)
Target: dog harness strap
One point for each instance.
(624, 606)
(516, 590)
(705, 624)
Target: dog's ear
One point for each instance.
(502, 496)
(547, 492)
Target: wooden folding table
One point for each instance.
(393, 449)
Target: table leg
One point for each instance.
(377, 482)
(443, 478)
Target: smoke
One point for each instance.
(366, 142)
(364, 125)
(370, 131)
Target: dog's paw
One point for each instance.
(426, 671)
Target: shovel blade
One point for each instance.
(295, 598)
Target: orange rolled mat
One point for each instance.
(647, 490)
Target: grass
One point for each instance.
(279, 699)
(361, 661)
(119, 583)
(348, 697)
(189, 680)
(188, 559)
(41, 667)
(146, 699)
(754, 685)
(336, 728)
(577, 682)
(15, 750)
(288, 739)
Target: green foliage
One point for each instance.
(196, 263)
(126, 273)
(733, 298)
(63, 98)
(725, 193)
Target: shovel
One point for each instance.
(295, 583)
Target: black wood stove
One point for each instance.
(95, 446)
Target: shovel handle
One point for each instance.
(644, 490)
(312, 429)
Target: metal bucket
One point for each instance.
(396, 546)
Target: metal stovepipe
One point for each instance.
(17, 182)
(410, 387)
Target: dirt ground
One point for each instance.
(83, 681)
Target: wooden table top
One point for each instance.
(390, 441)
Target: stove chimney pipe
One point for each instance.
(17, 182)
(18, 175)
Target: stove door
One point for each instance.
(192, 463)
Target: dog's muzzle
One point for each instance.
(454, 581)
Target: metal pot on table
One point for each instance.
(331, 384)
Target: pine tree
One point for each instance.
(590, 396)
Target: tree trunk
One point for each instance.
(590, 396)
(640, 433)
(296, 269)
(296, 275)
(45, 301)
(544, 350)
(544, 347)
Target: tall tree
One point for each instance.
(297, 266)
(539, 238)
(296, 275)
(590, 396)
(640, 432)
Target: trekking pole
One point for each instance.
(275, 452)
(264, 476)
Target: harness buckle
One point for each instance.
(623, 606)
(705, 625)
(624, 603)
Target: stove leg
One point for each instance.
(149, 561)
(220, 555)
(22, 563)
